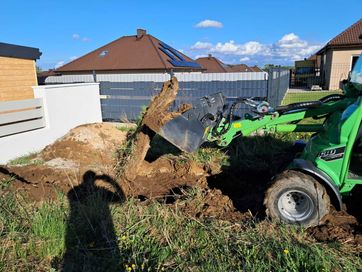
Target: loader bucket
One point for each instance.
(185, 134)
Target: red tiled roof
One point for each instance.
(239, 68)
(212, 65)
(348, 38)
(255, 69)
(138, 52)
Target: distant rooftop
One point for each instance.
(212, 64)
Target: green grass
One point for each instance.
(26, 160)
(126, 128)
(153, 237)
(5, 183)
(306, 96)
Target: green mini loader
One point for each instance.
(327, 168)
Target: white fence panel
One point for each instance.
(69, 79)
(20, 116)
(157, 77)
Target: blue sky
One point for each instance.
(244, 31)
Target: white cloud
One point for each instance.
(291, 41)
(209, 23)
(73, 58)
(288, 48)
(201, 45)
(77, 37)
(225, 48)
(200, 56)
(249, 48)
(59, 64)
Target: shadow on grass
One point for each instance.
(253, 163)
(90, 239)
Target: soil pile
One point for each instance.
(86, 145)
(60, 166)
(339, 226)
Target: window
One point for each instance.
(103, 53)
(354, 60)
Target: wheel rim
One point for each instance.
(295, 205)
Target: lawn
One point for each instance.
(96, 236)
(292, 97)
(97, 232)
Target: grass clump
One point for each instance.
(153, 237)
(126, 128)
(209, 157)
(26, 160)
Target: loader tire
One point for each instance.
(297, 198)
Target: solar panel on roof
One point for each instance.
(177, 59)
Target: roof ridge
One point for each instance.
(345, 31)
(157, 51)
(219, 62)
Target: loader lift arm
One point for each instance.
(282, 119)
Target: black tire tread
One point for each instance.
(289, 177)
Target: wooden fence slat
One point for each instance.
(20, 116)
(21, 127)
(20, 104)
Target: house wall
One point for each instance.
(339, 66)
(65, 107)
(326, 66)
(17, 76)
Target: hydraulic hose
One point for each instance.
(297, 106)
(331, 97)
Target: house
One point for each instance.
(255, 69)
(212, 64)
(17, 71)
(140, 53)
(339, 55)
(43, 75)
(239, 68)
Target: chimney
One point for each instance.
(209, 56)
(141, 32)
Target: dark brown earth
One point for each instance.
(228, 193)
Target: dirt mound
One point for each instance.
(87, 145)
(339, 226)
(156, 179)
(212, 203)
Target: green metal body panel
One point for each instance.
(337, 139)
